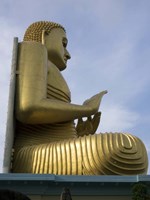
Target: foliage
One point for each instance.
(139, 192)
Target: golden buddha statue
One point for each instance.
(47, 140)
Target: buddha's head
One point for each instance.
(53, 36)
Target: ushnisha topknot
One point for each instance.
(34, 31)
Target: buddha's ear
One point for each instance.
(44, 33)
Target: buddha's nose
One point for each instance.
(67, 54)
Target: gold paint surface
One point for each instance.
(47, 141)
(82, 156)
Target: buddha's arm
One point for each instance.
(32, 106)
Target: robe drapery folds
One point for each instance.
(56, 148)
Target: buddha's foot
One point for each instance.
(109, 153)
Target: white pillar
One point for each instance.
(10, 124)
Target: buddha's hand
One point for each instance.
(89, 126)
(94, 102)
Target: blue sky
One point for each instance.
(110, 48)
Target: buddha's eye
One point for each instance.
(64, 44)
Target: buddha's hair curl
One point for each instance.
(34, 31)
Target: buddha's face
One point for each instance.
(56, 43)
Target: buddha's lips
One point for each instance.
(65, 59)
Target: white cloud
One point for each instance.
(116, 118)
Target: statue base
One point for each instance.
(47, 186)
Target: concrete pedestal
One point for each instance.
(49, 187)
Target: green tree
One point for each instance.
(139, 192)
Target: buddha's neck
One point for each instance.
(51, 64)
